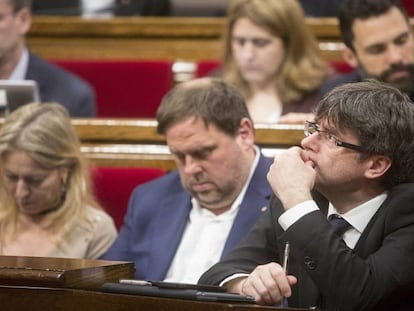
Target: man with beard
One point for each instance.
(179, 225)
(353, 248)
(378, 42)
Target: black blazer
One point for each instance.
(377, 275)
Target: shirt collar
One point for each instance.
(360, 216)
(19, 72)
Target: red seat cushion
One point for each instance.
(131, 89)
(113, 187)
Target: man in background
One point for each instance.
(179, 225)
(378, 42)
(18, 63)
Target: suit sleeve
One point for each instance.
(258, 247)
(120, 249)
(379, 268)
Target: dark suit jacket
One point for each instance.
(321, 8)
(158, 213)
(351, 77)
(58, 85)
(377, 275)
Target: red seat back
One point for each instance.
(113, 187)
(131, 89)
(205, 67)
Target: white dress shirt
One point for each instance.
(357, 217)
(204, 238)
(19, 72)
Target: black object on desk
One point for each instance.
(181, 293)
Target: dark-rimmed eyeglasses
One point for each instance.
(313, 127)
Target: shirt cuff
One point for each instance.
(293, 214)
(232, 277)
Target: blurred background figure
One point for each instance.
(46, 207)
(278, 70)
(379, 44)
(102, 8)
(321, 8)
(18, 63)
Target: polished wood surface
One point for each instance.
(170, 38)
(41, 299)
(135, 142)
(62, 272)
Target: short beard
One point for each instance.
(405, 84)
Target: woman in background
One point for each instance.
(47, 208)
(272, 57)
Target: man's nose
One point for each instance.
(395, 55)
(311, 141)
(191, 165)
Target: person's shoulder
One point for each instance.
(398, 204)
(339, 79)
(169, 183)
(41, 69)
(402, 190)
(97, 215)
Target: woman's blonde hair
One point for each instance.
(303, 69)
(44, 131)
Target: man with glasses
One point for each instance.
(356, 167)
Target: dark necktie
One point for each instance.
(339, 225)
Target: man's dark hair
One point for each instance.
(363, 9)
(381, 117)
(211, 99)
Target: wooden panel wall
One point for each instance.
(135, 142)
(172, 38)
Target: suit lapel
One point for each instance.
(170, 224)
(255, 202)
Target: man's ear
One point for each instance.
(378, 165)
(246, 131)
(24, 19)
(349, 57)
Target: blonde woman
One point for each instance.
(272, 57)
(47, 208)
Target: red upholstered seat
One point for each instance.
(113, 187)
(341, 67)
(124, 88)
(205, 67)
(409, 6)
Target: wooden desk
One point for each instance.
(135, 142)
(41, 299)
(170, 38)
(61, 272)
